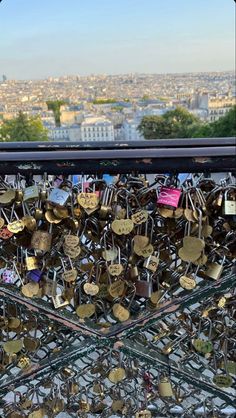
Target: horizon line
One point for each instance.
(119, 74)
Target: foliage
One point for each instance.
(226, 126)
(179, 123)
(55, 106)
(104, 101)
(173, 124)
(23, 128)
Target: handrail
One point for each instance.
(175, 155)
(156, 143)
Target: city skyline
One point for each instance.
(60, 38)
(94, 75)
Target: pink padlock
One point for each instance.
(86, 186)
(169, 196)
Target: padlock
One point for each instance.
(165, 388)
(214, 269)
(144, 413)
(31, 193)
(133, 272)
(31, 263)
(58, 197)
(41, 241)
(169, 196)
(151, 263)
(144, 287)
(229, 206)
(50, 287)
(59, 302)
(35, 275)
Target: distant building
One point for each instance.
(65, 133)
(130, 130)
(4, 78)
(219, 106)
(58, 134)
(211, 108)
(118, 132)
(97, 129)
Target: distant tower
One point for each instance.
(4, 78)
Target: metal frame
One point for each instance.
(175, 155)
(120, 330)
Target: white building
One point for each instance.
(97, 129)
(65, 133)
(130, 130)
(58, 133)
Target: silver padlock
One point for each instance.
(58, 197)
(229, 207)
(31, 193)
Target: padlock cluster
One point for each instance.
(117, 299)
(109, 383)
(109, 253)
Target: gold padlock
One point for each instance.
(31, 263)
(164, 387)
(41, 241)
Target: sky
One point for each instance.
(41, 38)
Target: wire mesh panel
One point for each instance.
(105, 257)
(29, 341)
(108, 383)
(117, 292)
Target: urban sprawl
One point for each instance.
(111, 107)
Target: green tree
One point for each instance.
(173, 124)
(153, 127)
(104, 101)
(55, 106)
(223, 127)
(23, 128)
(179, 123)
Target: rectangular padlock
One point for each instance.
(165, 388)
(229, 206)
(31, 193)
(151, 263)
(143, 288)
(59, 302)
(214, 270)
(50, 288)
(58, 197)
(169, 196)
(31, 263)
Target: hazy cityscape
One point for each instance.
(111, 107)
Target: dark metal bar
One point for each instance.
(127, 154)
(175, 155)
(117, 165)
(157, 143)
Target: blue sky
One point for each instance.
(39, 38)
